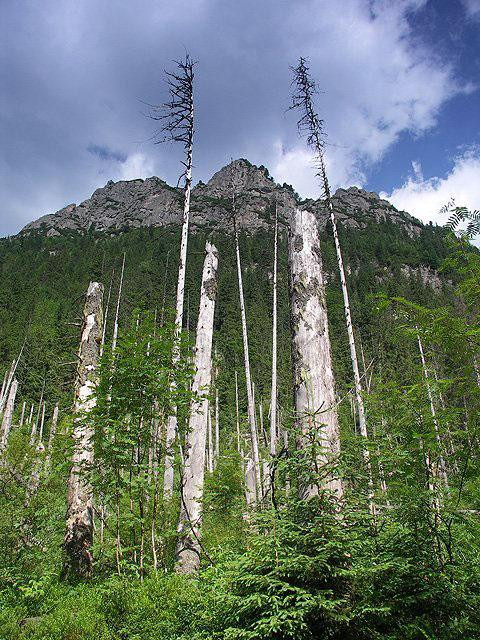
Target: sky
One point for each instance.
(399, 79)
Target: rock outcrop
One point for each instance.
(152, 202)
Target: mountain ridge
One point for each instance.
(152, 202)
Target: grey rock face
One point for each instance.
(152, 202)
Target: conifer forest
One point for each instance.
(231, 413)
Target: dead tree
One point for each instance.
(189, 547)
(117, 308)
(79, 521)
(250, 399)
(177, 118)
(314, 384)
(313, 128)
(8, 415)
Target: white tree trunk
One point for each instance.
(182, 265)
(217, 428)
(22, 417)
(117, 309)
(273, 405)
(51, 437)
(314, 384)
(250, 399)
(210, 439)
(8, 415)
(105, 317)
(442, 470)
(237, 412)
(30, 417)
(79, 521)
(189, 547)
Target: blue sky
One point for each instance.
(400, 81)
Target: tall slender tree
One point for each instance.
(250, 396)
(189, 547)
(312, 127)
(177, 118)
(78, 538)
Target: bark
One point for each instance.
(51, 437)
(442, 470)
(79, 521)
(189, 546)
(8, 415)
(217, 428)
(172, 420)
(250, 399)
(210, 439)
(22, 417)
(314, 384)
(117, 309)
(273, 406)
(105, 317)
(237, 412)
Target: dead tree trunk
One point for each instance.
(51, 437)
(189, 547)
(178, 118)
(79, 521)
(273, 405)
(312, 125)
(117, 308)
(8, 415)
(442, 469)
(250, 399)
(314, 384)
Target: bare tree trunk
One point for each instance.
(250, 400)
(217, 427)
(51, 437)
(314, 383)
(10, 377)
(273, 406)
(4, 386)
(79, 521)
(37, 419)
(237, 411)
(189, 547)
(30, 417)
(179, 128)
(441, 461)
(107, 306)
(117, 309)
(22, 417)
(8, 415)
(210, 439)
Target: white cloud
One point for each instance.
(136, 165)
(424, 198)
(378, 81)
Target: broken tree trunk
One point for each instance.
(314, 384)
(8, 415)
(79, 522)
(189, 546)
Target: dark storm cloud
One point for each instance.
(74, 75)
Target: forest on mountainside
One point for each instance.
(292, 566)
(237, 433)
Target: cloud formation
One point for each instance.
(424, 198)
(74, 75)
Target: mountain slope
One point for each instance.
(153, 203)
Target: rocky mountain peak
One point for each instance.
(152, 202)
